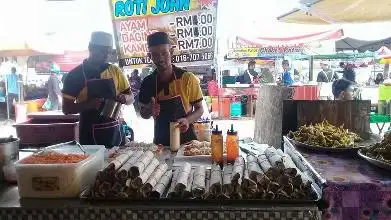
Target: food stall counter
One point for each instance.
(11, 207)
(14, 207)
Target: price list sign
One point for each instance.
(190, 24)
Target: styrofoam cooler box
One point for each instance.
(60, 180)
(39, 131)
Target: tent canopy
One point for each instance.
(339, 11)
(361, 45)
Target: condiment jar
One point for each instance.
(232, 144)
(217, 146)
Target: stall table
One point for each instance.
(12, 208)
(354, 189)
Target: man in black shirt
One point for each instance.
(249, 74)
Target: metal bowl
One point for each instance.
(111, 109)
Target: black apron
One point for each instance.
(95, 129)
(171, 109)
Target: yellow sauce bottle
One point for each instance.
(232, 144)
(217, 146)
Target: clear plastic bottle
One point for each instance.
(232, 144)
(217, 146)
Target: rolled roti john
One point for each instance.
(227, 186)
(273, 157)
(198, 187)
(236, 193)
(171, 190)
(254, 170)
(208, 195)
(141, 179)
(118, 161)
(162, 185)
(264, 163)
(215, 180)
(247, 183)
(141, 164)
(155, 177)
(183, 177)
(188, 193)
(124, 171)
(237, 170)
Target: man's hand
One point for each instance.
(121, 98)
(183, 124)
(155, 108)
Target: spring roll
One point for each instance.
(141, 179)
(183, 177)
(162, 185)
(198, 187)
(124, 171)
(237, 170)
(141, 164)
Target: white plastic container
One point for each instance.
(60, 180)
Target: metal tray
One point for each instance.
(317, 148)
(85, 196)
(379, 163)
(302, 163)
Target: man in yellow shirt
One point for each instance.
(169, 94)
(88, 84)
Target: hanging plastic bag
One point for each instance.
(47, 105)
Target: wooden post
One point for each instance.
(269, 114)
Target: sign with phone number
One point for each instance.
(190, 24)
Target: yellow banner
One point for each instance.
(190, 24)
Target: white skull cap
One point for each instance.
(101, 38)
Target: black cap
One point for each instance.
(157, 38)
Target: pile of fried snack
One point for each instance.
(325, 135)
(380, 151)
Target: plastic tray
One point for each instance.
(60, 180)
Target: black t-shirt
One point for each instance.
(113, 83)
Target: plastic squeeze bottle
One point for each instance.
(232, 144)
(217, 146)
(175, 137)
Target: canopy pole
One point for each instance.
(311, 68)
